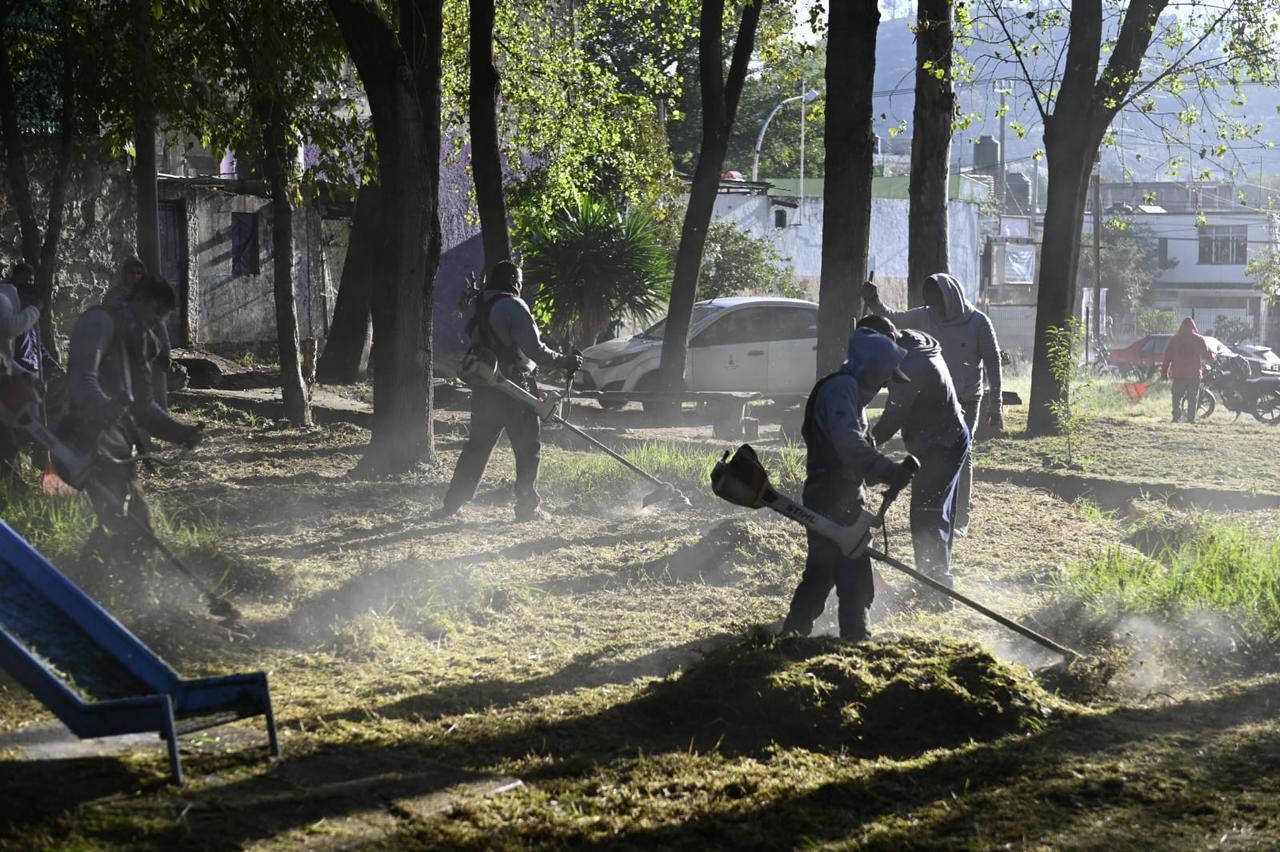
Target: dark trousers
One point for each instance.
(935, 493)
(491, 413)
(118, 501)
(1186, 397)
(964, 496)
(10, 469)
(826, 567)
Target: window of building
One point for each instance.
(1224, 245)
(1164, 252)
(244, 243)
(779, 218)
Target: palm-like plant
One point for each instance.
(593, 263)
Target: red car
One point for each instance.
(1143, 358)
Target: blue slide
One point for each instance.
(96, 676)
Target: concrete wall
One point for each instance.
(801, 240)
(97, 233)
(225, 309)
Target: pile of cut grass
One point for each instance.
(896, 697)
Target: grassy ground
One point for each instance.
(1139, 443)
(611, 658)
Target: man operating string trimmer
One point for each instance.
(500, 322)
(841, 456)
(113, 413)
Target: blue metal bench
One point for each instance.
(97, 677)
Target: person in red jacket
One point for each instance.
(1184, 360)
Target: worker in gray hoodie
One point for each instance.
(928, 414)
(970, 351)
(501, 322)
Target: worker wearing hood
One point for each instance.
(841, 456)
(1184, 362)
(970, 351)
(928, 415)
(15, 322)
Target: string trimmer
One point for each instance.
(79, 470)
(743, 481)
(479, 368)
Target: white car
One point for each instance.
(746, 343)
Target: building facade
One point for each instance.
(776, 209)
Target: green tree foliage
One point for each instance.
(1063, 344)
(1231, 330)
(1173, 65)
(591, 264)
(785, 67)
(568, 124)
(1130, 265)
(1264, 269)
(1155, 321)
(735, 262)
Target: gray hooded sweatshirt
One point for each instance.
(925, 409)
(965, 333)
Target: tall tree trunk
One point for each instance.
(1070, 160)
(846, 222)
(486, 157)
(927, 226)
(1085, 105)
(345, 359)
(720, 96)
(401, 77)
(297, 407)
(42, 254)
(144, 139)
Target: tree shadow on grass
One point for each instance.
(440, 582)
(35, 792)
(983, 785)
(585, 671)
(1014, 789)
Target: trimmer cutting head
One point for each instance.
(666, 494)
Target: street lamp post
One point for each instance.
(808, 97)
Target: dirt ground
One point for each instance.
(607, 676)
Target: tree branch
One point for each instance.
(1172, 67)
(1026, 73)
(742, 49)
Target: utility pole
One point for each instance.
(803, 110)
(1097, 262)
(1000, 177)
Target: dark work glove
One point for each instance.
(192, 436)
(571, 361)
(899, 476)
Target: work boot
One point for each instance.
(527, 508)
(931, 600)
(853, 624)
(530, 513)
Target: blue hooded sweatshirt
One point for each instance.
(839, 414)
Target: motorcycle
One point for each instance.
(1232, 380)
